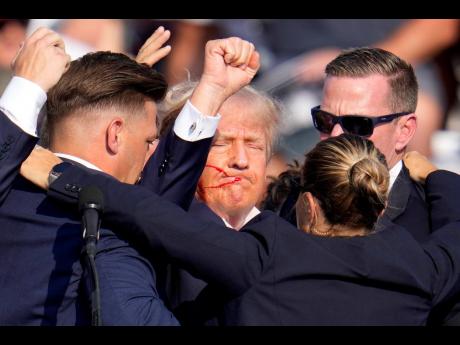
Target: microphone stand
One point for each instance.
(90, 205)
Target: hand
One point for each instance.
(229, 65)
(419, 166)
(37, 166)
(41, 59)
(152, 51)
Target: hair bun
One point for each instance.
(369, 180)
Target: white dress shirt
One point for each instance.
(394, 172)
(254, 212)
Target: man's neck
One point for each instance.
(76, 153)
(78, 160)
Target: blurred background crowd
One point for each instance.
(294, 53)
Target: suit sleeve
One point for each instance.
(230, 259)
(175, 167)
(15, 147)
(443, 195)
(127, 281)
(443, 191)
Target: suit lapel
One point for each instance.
(203, 212)
(399, 194)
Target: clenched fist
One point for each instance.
(229, 65)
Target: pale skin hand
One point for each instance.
(153, 51)
(419, 166)
(37, 166)
(41, 59)
(229, 65)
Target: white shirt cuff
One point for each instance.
(22, 102)
(192, 125)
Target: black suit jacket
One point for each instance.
(15, 146)
(407, 206)
(182, 288)
(270, 273)
(42, 276)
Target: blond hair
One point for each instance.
(350, 179)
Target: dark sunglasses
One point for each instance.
(352, 124)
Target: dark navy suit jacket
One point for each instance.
(270, 273)
(407, 206)
(42, 276)
(182, 288)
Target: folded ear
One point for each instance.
(114, 134)
(407, 125)
(306, 213)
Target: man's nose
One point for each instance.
(337, 130)
(240, 159)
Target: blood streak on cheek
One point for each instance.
(235, 179)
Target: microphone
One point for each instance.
(91, 207)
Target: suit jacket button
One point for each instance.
(74, 189)
(68, 187)
(9, 139)
(161, 170)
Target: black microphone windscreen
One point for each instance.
(90, 195)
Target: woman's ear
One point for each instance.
(306, 212)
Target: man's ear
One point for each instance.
(113, 134)
(406, 128)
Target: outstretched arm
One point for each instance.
(230, 259)
(442, 188)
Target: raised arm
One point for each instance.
(38, 65)
(175, 167)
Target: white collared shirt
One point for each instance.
(254, 212)
(78, 160)
(22, 101)
(394, 172)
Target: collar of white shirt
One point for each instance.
(78, 160)
(254, 212)
(394, 172)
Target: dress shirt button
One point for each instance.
(192, 127)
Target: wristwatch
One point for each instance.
(57, 171)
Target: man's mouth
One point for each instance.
(227, 179)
